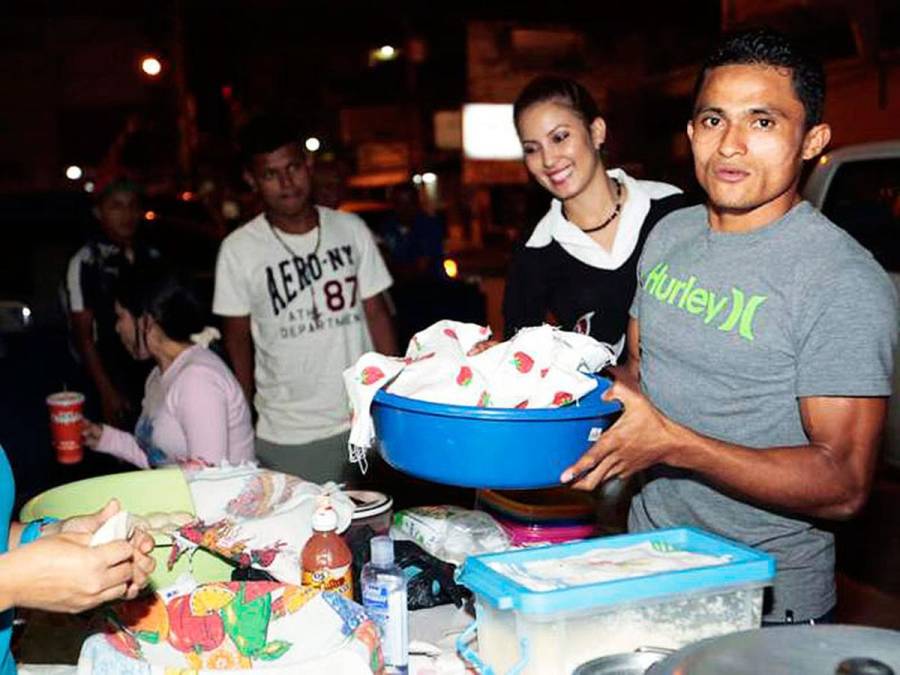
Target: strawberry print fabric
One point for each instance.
(540, 367)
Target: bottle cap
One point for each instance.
(382, 551)
(324, 519)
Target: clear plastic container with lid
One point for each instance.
(551, 632)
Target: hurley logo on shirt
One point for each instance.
(733, 311)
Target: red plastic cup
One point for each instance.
(66, 422)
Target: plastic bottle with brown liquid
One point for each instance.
(326, 561)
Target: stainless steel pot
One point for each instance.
(789, 650)
(630, 663)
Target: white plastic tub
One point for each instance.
(520, 630)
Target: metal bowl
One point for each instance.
(630, 663)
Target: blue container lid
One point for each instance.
(746, 567)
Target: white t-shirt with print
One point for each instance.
(304, 296)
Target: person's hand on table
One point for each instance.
(63, 573)
(91, 433)
(194, 464)
(640, 438)
(141, 543)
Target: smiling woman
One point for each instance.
(578, 263)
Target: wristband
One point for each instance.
(34, 529)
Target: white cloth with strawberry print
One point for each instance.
(540, 367)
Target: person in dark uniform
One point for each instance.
(578, 264)
(89, 288)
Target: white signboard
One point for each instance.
(489, 132)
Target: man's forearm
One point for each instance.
(94, 364)
(381, 327)
(240, 351)
(807, 479)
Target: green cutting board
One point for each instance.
(139, 492)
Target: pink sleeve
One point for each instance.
(199, 403)
(121, 444)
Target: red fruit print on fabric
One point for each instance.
(484, 400)
(371, 375)
(562, 398)
(523, 404)
(523, 362)
(464, 378)
(449, 332)
(544, 372)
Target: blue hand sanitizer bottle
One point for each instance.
(383, 590)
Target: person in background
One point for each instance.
(90, 279)
(50, 565)
(194, 410)
(762, 335)
(578, 263)
(414, 239)
(301, 291)
(413, 243)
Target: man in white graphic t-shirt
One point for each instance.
(300, 289)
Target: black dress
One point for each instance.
(549, 281)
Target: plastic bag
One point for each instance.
(451, 533)
(429, 582)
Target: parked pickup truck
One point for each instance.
(858, 187)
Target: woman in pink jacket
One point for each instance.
(194, 409)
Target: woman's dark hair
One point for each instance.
(767, 47)
(169, 296)
(560, 90)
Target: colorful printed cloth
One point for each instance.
(255, 517)
(249, 625)
(540, 367)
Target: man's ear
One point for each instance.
(250, 180)
(598, 132)
(690, 130)
(815, 140)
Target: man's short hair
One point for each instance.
(112, 185)
(265, 133)
(767, 47)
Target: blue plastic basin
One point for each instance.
(498, 448)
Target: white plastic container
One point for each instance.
(552, 632)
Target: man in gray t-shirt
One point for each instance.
(763, 338)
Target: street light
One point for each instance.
(151, 66)
(312, 144)
(429, 178)
(382, 54)
(73, 172)
(386, 53)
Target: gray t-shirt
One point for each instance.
(735, 328)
